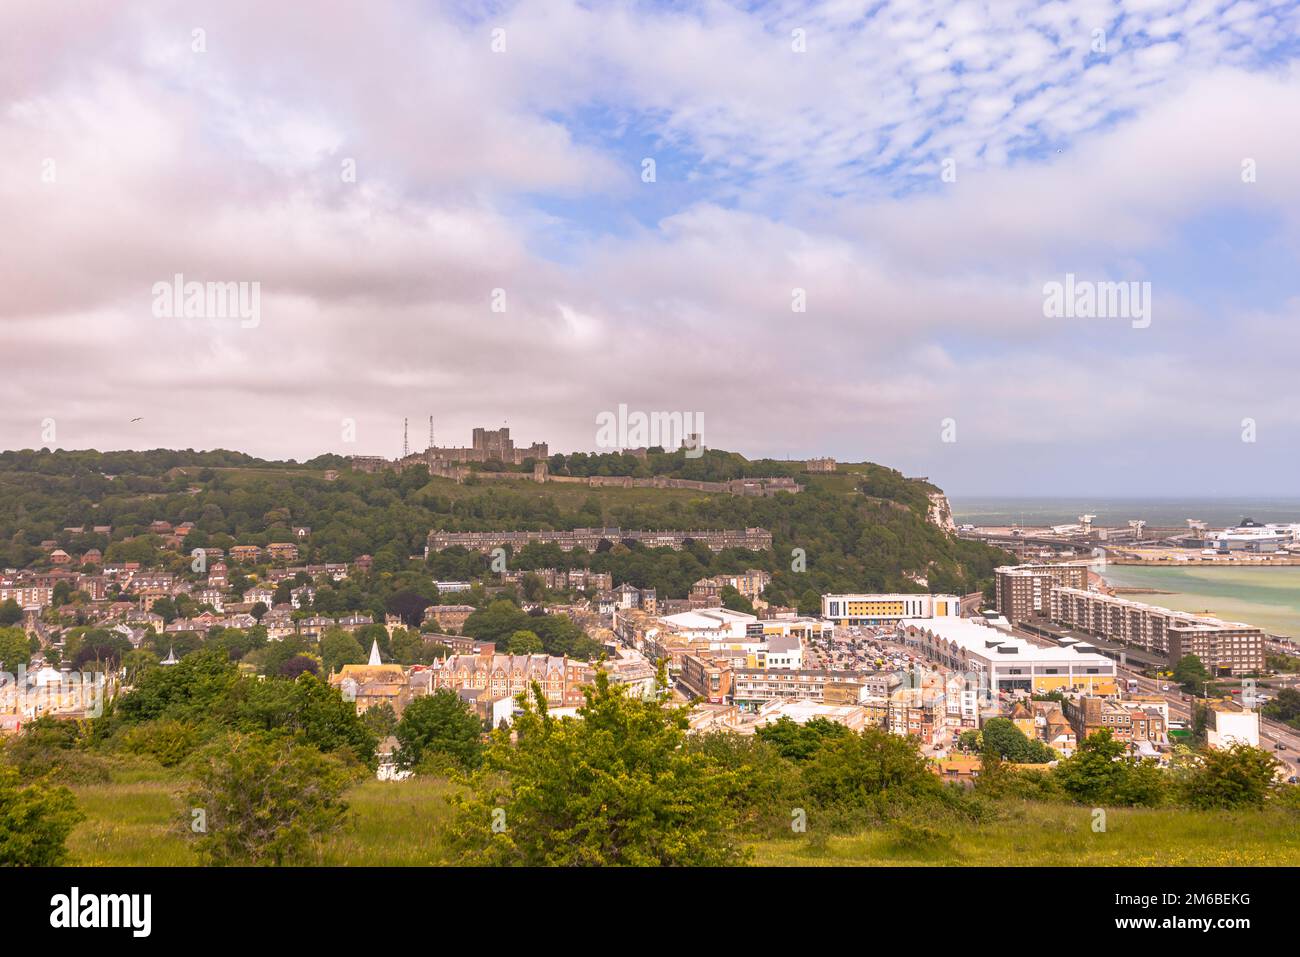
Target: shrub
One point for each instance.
(265, 800)
(35, 821)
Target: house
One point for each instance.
(282, 551)
(260, 593)
(449, 617)
(245, 554)
(60, 557)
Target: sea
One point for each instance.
(1268, 598)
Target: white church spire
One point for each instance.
(374, 653)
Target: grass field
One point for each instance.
(141, 822)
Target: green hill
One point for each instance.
(863, 528)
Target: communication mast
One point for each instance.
(406, 445)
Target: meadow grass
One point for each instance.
(1035, 834)
(141, 822)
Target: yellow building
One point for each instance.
(887, 609)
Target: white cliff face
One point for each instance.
(941, 512)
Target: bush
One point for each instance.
(168, 741)
(616, 786)
(1239, 777)
(1100, 774)
(915, 839)
(869, 775)
(265, 800)
(766, 787)
(35, 821)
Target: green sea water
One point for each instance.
(1268, 598)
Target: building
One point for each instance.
(754, 687)
(707, 676)
(499, 676)
(282, 551)
(1002, 662)
(753, 539)
(707, 592)
(887, 609)
(819, 465)
(1025, 591)
(1223, 647)
(1228, 723)
(373, 683)
(449, 617)
(801, 711)
(1128, 721)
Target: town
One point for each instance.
(1049, 648)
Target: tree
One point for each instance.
(870, 770)
(735, 601)
(1285, 707)
(35, 822)
(15, 649)
(799, 742)
(380, 720)
(1190, 673)
(299, 665)
(266, 800)
(524, 642)
(409, 606)
(439, 723)
(1100, 774)
(1237, 777)
(339, 648)
(1011, 744)
(308, 710)
(10, 612)
(616, 785)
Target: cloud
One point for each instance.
(519, 171)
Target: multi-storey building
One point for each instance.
(1025, 591)
(751, 687)
(500, 676)
(750, 584)
(887, 609)
(1127, 720)
(1222, 646)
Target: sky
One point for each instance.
(820, 229)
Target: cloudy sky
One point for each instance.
(530, 213)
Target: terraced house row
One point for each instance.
(753, 539)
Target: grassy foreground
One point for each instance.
(137, 820)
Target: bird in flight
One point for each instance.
(137, 418)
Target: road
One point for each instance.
(1270, 732)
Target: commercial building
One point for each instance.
(1223, 646)
(753, 687)
(1025, 591)
(887, 609)
(1003, 662)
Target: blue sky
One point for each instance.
(798, 148)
